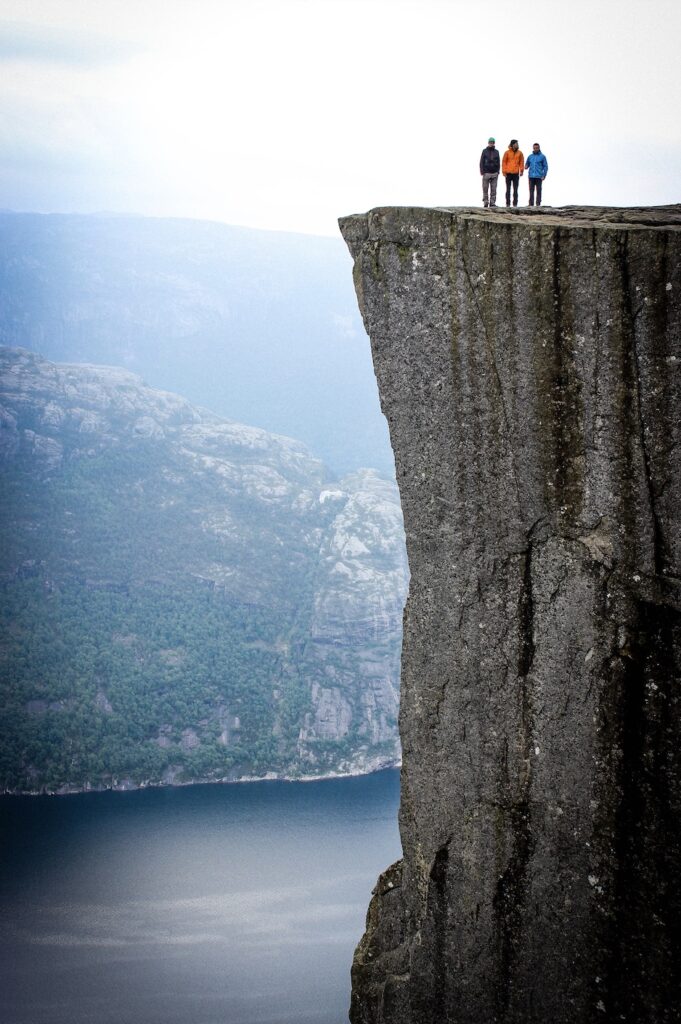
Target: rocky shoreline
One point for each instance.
(372, 766)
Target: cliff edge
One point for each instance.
(529, 366)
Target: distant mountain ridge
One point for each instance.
(183, 596)
(259, 326)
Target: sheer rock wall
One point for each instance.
(529, 366)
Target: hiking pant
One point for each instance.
(489, 184)
(512, 179)
(535, 183)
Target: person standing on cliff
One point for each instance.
(512, 169)
(538, 166)
(489, 169)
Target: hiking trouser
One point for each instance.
(489, 184)
(512, 179)
(535, 183)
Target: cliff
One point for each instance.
(528, 364)
(184, 597)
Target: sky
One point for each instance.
(285, 114)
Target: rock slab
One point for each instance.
(529, 365)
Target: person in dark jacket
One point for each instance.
(489, 169)
(538, 166)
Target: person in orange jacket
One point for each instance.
(512, 168)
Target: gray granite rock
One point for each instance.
(529, 367)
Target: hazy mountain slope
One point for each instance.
(261, 326)
(184, 596)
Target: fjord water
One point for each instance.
(215, 904)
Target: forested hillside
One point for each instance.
(184, 596)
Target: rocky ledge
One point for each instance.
(529, 367)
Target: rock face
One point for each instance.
(529, 366)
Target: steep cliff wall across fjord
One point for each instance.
(529, 365)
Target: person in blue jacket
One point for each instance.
(538, 166)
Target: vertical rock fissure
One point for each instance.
(568, 418)
(629, 322)
(509, 902)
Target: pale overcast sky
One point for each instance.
(285, 114)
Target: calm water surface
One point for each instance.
(202, 905)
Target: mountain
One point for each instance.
(183, 596)
(256, 325)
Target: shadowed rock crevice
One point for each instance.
(644, 703)
(437, 916)
(509, 900)
(529, 366)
